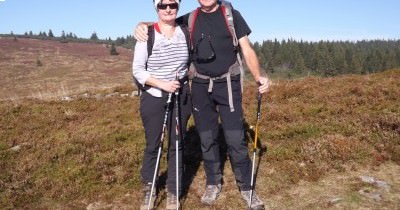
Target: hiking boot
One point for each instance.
(146, 197)
(211, 194)
(256, 203)
(171, 202)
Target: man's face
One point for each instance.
(207, 3)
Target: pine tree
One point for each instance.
(94, 37)
(39, 63)
(356, 65)
(113, 50)
(63, 37)
(51, 35)
(276, 53)
(120, 41)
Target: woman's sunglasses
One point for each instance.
(171, 6)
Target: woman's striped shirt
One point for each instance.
(169, 57)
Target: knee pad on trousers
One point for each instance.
(237, 147)
(209, 144)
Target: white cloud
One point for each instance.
(2, 0)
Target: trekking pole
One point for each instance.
(160, 148)
(177, 130)
(255, 147)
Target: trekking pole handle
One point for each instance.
(259, 97)
(258, 105)
(258, 117)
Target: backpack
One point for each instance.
(150, 44)
(236, 68)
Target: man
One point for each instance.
(216, 94)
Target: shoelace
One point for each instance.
(147, 196)
(171, 199)
(255, 199)
(209, 190)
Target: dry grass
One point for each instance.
(66, 68)
(317, 136)
(75, 153)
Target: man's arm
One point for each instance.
(251, 60)
(140, 32)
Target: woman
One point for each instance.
(160, 74)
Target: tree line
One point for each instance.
(291, 58)
(65, 37)
(286, 58)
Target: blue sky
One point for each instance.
(310, 20)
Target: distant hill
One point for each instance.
(32, 68)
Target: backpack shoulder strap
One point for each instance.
(185, 31)
(227, 10)
(150, 40)
(191, 22)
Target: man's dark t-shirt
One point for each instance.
(212, 26)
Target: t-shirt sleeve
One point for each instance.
(241, 27)
(140, 58)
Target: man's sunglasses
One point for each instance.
(164, 6)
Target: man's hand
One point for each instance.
(141, 31)
(265, 83)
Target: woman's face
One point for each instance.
(167, 10)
